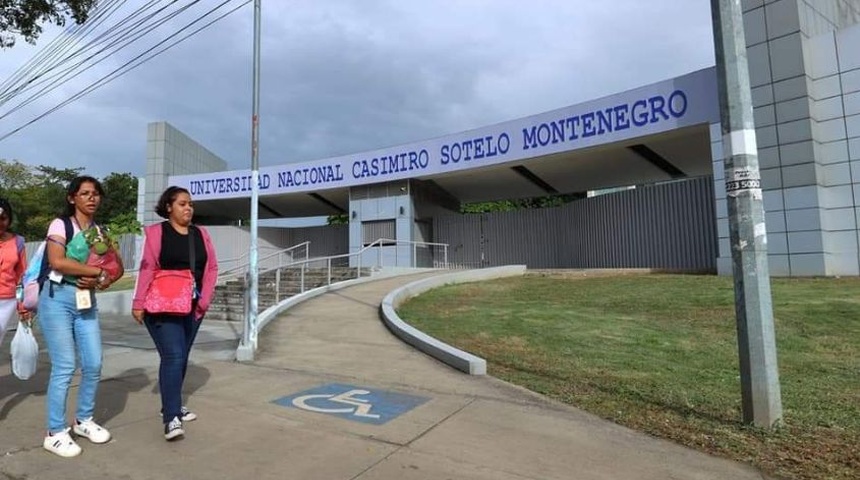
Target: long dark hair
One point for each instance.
(75, 186)
(6, 209)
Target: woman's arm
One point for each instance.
(55, 249)
(148, 264)
(210, 275)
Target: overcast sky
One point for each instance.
(345, 76)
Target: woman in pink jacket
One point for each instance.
(168, 246)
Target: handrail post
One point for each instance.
(379, 255)
(445, 250)
(414, 255)
(329, 270)
(278, 285)
(303, 278)
(246, 300)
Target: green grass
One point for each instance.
(659, 353)
(124, 283)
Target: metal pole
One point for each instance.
(251, 324)
(760, 390)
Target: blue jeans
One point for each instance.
(173, 336)
(65, 330)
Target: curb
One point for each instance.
(463, 361)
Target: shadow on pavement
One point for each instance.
(114, 392)
(195, 378)
(14, 391)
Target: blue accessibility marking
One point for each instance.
(360, 404)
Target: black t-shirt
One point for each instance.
(175, 252)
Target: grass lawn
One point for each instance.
(124, 283)
(658, 353)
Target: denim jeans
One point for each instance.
(66, 330)
(173, 337)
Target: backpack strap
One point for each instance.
(70, 229)
(19, 240)
(45, 268)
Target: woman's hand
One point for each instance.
(138, 316)
(24, 316)
(87, 283)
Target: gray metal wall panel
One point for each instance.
(325, 240)
(671, 226)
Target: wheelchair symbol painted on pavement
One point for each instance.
(360, 404)
(358, 407)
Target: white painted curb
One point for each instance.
(463, 361)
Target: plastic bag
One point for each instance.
(25, 352)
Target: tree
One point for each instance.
(38, 195)
(339, 219)
(14, 174)
(120, 196)
(118, 209)
(24, 17)
(556, 200)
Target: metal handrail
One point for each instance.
(241, 268)
(376, 243)
(247, 333)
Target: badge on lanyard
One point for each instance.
(84, 299)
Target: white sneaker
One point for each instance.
(61, 444)
(188, 415)
(91, 430)
(173, 429)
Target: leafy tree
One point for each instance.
(339, 219)
(24, 17)
(123, 223)
(58, 176)
(510, 205)
(120, 196)
(38, 195)
(14, 174)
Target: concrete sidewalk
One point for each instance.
(353, 403)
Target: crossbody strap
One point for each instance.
(192, 259)
(191, 248)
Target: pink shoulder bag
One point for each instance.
(172, 291)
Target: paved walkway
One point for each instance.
(396, 413)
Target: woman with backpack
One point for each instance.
(69, 320)
(13, 263)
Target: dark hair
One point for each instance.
(6, 209)
(167, 198)
(75, 186)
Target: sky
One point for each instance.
(346, 76)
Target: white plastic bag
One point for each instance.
(25, 352)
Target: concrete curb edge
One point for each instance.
(463, 361)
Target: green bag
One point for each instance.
(78, 250)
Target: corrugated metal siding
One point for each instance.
(462, 233)
(325, 240)
(671, 226)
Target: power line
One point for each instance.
(56, 45)
(131, 65)
(65, 75)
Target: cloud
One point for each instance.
(341, 76)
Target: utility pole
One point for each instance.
(249, 333)
(760, 391)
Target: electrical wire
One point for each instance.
(136, 61)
